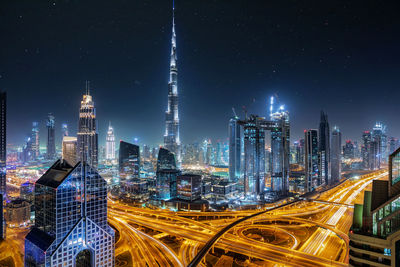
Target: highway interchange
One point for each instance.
(307, 232)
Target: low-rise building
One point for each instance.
(18, 213)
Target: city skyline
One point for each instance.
(120, 97)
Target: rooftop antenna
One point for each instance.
(87, 87)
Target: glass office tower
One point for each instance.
(129, 160)
(71, 219)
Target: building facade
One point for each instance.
(87, 139)
(129, 160)
(110, 143)
(311, 160)
(375, 233)
(71, 226)
(254, 157)
(336, 155)
(69, 149)
(3, 159)
(51, 141)
(35, 143)
(189, 187)
(324, 150)
(234, 149)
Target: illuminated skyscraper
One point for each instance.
(166, 160)
(311, 159)
(348, 150)
(280, 149)
(71, 226)
(379, 136)
(166, 176)
(129, 160)
(64, 129)
(35, 140)
(234, 149)
(110, 143)
(3, 158)
(69, 146)
(324, 150)
(336, 155)
(51, 142)
(87, 131)
(171, 138)
(254, 157)
(366, 149)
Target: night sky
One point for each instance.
(340, 56)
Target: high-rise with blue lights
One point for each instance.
(64, 129)
(234, 149)
(35, 140)
(254, 157)
(166, 176)
(336, 155)
(171, 136)
(87, 149)
(71, 226)
(51, 142)
(280, 148)
(379, 136)
(324, 150)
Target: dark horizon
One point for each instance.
(338, 57)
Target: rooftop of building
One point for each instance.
(56, 174)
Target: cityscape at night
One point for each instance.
(199, 133)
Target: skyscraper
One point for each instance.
(71, 226)
(64, 129)
(51, 142)
(3, 159)
(165, 160)
(69, 147)
(171, 137)
(110, 143)
(280, 149)
(324, 150)
(234, 149)
(35, 145)
(348, 150)
(336, 155)
(254, 157)
(366, 149)
(379, 136)
(129, 160)
(311, 159)
(166, 176)
(87, 131)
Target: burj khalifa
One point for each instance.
(171, 137)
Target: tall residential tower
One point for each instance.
(171, 137)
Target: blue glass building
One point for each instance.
(166, 177)
(71, 219)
